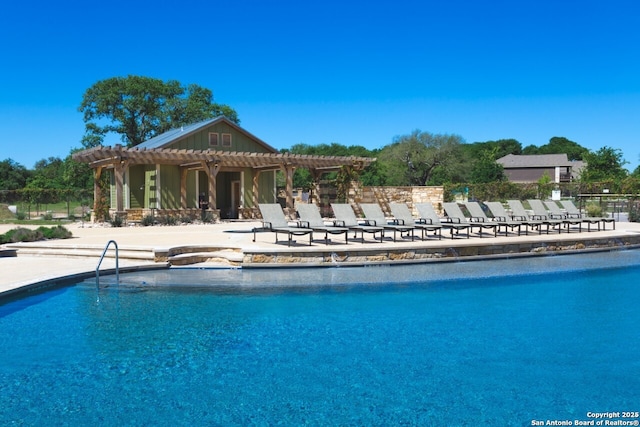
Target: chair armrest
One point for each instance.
(556, 216)
(303, 224)
(477, 219)
(339, 223)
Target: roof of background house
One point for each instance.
(534, 161)
(169, 137)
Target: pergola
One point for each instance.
(211, 162)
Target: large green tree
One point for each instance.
(605, 164)
(486, 169)
(138, 108)
(417, 158)
(559, 145)
(13, 176)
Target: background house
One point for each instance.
(530, 168)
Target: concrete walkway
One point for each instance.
(231, 244)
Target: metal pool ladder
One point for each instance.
(100, 262)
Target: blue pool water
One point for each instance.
(474, 343)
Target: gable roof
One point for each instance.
(169, 137)
(511, 161)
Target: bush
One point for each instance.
(48, 216)
(116, 221)
(167, 220)
(148, 220)
(21, 234)
(21, 216)
(593, 209)
(186, 219)
(57, 232)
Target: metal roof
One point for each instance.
(534, 161)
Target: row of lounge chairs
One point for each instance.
(546, 216)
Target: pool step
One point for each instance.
(84, 251)
(188, 255)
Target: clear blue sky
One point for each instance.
(355, 73)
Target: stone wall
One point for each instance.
(385, 195)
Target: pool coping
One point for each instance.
(215, 247)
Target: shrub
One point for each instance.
(21, 234)
(116, 221)
(148, 220)
(186, 219)
(167, 220)
(57, 232)
(48, 216)
(21, 216)
(593, 209)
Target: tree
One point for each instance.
(559, 145)
(414, 159)
(47, 174)
(500, 148)
(486, 169)
(605, 164)
(13, 176)
(138, 108)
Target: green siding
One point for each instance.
(266, 185)
(169, 187)
(239, 140)
(192, 195)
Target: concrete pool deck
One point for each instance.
(230, 244)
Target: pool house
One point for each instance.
(214, 164)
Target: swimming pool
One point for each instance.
(468, 343)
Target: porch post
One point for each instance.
(288, 170)
(316, 186)
(212, 171)
(97, 191)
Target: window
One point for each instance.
(226, 140)
(213, 139)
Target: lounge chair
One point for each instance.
(519, 213)
(402, 214)
(374, 216)
(540, 211)
(429, 216)
(454, 214)
(345, 217)
(555, 212)
(476, 210)
(574, 211)
(273, 220)
(310, 217)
